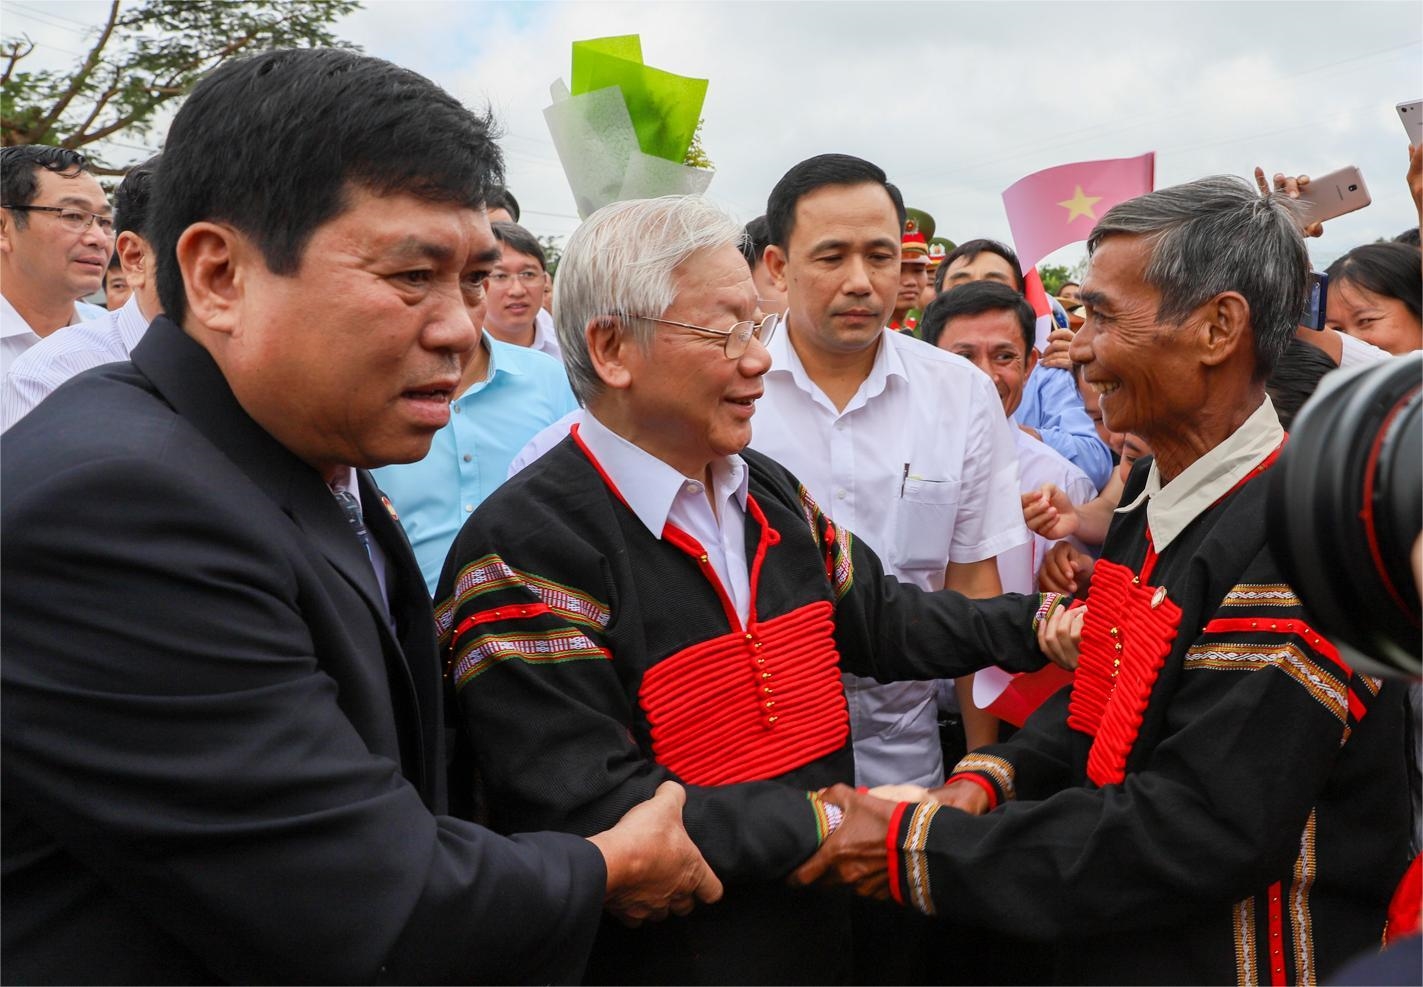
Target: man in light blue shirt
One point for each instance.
(508, 394)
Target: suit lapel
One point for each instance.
(414, 618)
(185, 375)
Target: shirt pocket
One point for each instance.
(924, 523)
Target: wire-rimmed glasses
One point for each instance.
(738, 337)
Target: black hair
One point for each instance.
(517, 238)
(271, 144)
(758, 238)
(18, 165)
(971, 249)
(502, 198)
(1297, 373)
(1389, 269)
(815, 173)
(975, 298)
(1408, 236)
(131, 198)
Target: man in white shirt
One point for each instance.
(903, 444)
(56, 232)
(515, 292)
(110, 337)
(992, 326)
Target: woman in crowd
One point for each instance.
(1375, 295)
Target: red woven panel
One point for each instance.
(1116, 671)
(708, 704)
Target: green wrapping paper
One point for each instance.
(623, 130)
(664, 107)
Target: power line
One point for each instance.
(35, 12)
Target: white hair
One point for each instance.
(621, 263)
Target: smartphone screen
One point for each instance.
(1318, 301)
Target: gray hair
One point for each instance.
(1220, 234)
(620, 263)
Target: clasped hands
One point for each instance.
(857, 853)
(654, 868)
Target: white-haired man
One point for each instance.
(649, 600)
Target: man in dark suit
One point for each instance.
(223, 746)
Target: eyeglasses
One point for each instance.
(738, 337)
(73, 220)
(526, 278)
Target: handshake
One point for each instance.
(655, 870)
(857, 854)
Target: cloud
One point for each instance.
(955, 100)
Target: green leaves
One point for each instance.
(147, 54)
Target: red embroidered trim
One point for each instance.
(1311, 637)
(982, 783)
(676, 536)
(1232, 625)
(519, 611)
(1276, 945)
(1125, 643)
(749, 706)
(891, 846)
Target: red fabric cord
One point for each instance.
(713, 722)
(1126, 637)
(521, 611)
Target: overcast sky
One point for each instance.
(955, 101)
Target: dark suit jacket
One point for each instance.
(218, 761)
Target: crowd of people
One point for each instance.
(381, 604)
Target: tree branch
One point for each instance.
(15, 55)
(103, 100)
(82, 76)
(127, 120)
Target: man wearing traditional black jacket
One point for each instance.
(649, 602)
(222, 709)
(1218, 797)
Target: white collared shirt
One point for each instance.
(922, 467)
(545, 336)
(659, 496)
(1170, 508)
(66, 353)
(1039, 463)
(16, 336)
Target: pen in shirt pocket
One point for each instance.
(903, 480)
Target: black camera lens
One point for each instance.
(1353, 188)
(1346, 498)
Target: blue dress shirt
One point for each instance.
(524, 392)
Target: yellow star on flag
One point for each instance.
(1080, 205)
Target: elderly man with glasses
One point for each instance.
(56, 235)
(651, 600)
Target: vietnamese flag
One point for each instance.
(1057, 206)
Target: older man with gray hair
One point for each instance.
(1218, 797)
(651, 600)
